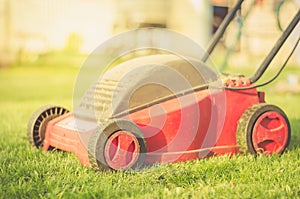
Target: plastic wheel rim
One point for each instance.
(121, 150)
(270, 133)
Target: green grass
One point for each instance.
(26, 172)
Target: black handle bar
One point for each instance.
(265, 64)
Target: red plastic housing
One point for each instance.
(196, 125)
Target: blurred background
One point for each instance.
(46, 42)
(66, 31)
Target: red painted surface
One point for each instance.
(66, 139)
(236, 103)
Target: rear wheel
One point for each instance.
(38, 122)
(119, 145)
(265, 129)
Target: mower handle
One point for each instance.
(265, 64)
(220, 31)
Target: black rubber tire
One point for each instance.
(99, 138)
(37, 123)
(246, 124)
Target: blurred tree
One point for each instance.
(73, 43)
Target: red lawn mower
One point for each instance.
(127, 121)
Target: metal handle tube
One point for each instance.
(218, 35)
(265, 64)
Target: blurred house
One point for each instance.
(261, 28)
(38, 26)
(33, 27)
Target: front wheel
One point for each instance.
(265, 129)
(120, 145)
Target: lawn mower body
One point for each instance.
(183, 135)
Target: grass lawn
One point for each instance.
(26, 172)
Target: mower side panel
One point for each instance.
(236, 104)
(193, 126)
(175, 128)
(59, 135)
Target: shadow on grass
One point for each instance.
(295, 134)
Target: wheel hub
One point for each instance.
(121, 150)
(270, 133)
